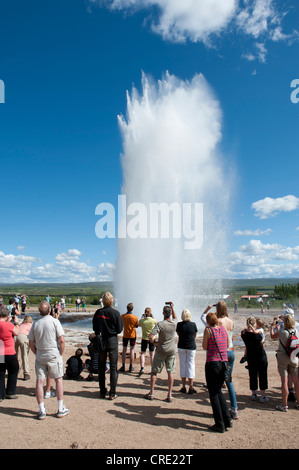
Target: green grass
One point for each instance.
(92, 291)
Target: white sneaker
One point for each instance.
(264, 399)
(42, 414)
(62, 413)
(281, 408)
(234, 413)
(50, 394)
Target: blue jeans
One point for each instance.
(230, 385)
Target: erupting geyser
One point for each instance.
(171, 162)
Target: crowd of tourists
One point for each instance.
(163, 339)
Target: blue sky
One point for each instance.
(67, 66)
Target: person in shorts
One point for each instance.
(147, 323)
(130, 323)
(166, 349)
(287, 366)
(46, 340)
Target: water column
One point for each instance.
(171, 158)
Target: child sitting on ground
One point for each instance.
(75, 366)
(92, 364)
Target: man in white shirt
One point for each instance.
(46, 340)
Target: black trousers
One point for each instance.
(11, 365)
(215, 379)
(258, 372)
(112, 353)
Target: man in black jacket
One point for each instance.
(107, 321)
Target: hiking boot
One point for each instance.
(122, 369)
(131, 368)
(141, 372)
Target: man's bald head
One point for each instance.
(44, 308)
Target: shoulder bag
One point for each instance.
(225, 364)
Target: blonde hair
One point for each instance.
(186, 315)
(251, 321)
(289, 321)
(221, 309)
(27, 319)
(260, 322)
(107, 299)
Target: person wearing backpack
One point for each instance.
(287, 363)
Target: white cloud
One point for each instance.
(256, 16)
(269, 207)
(179, 20)
(264, 260)
(20, 248)
(68, 268)
(199, 20)
(253, 233)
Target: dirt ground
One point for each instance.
(131, 422)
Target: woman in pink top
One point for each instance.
(9, 361)
(22, 344)
(214, 371)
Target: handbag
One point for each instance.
(225, 364)
(98, 343)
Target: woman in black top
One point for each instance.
(257, 360)
(186, 331)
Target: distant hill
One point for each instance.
(260, 284)
(90, 288)
(82, 288)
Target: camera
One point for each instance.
(168, 303)
(214, 305)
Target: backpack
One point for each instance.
(292, 345)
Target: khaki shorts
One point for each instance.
(285, 366)
(53, 368)
(160, 361)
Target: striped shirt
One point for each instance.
(221, 338)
